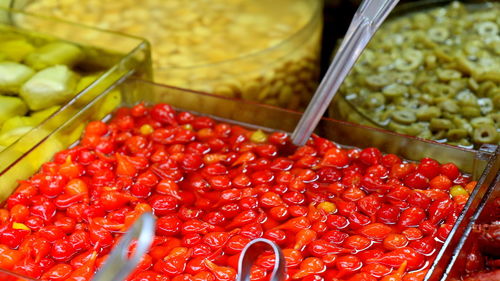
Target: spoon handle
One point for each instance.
(119, 264)
(366, 21)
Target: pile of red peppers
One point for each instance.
(338, 214)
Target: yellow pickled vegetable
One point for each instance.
(10, 107)
(12, 76)
(51, 86)
(16, 50)
(55, 53)
(38, 116)
(15, 122)
(11, 136)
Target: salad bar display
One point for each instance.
(338, 213)
(87, 151)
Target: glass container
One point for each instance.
(265, 51)
(431, 72)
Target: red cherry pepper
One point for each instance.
(375, 231)
(175, 262)
(86, 271)
(412, 217)
(397, 275)
(9, 257)
(221, 273)
(348, 264)
(310, 266)
(304, 237)
(296, 224)
(439, 210)
(320, 248)
(426, 246)
(396, 257)
(217, 240)
(59, 272)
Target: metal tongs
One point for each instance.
(119, 265)
(366, 21)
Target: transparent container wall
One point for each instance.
(259, 50)
(127, 56)
(486, 213)
(285, 75)
(480, 164)
(425, 74)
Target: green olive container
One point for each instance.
(432, 71)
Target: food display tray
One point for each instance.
(483, 165)
(128, 56)
(344, 107)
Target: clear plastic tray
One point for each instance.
(127, 56)
(483, 165)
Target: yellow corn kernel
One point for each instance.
(457, 190)
(328, 207)
(188, 127)
(17, 225)
(258, 137)
(146, 129)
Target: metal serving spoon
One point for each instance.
(252, 251)
(119, 265)
(366, 21)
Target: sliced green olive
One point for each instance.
(448, 74)
(395, 90)
(428, 112)
(456, 134)
(471, 111)
(485, 134)
(438, 34)
(377, 81)
(410, 59)
(481, 121)
(440, 124)
(487, 29)
(449, 106)
(495, 117)
(425, 134)
(485, 105)
(374, 100)
(404, 116)
(425, 98)
(406, 78)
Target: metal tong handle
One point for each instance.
(364, 24)
(252, 251)
(118, 266)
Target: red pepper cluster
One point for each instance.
(338, 214)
